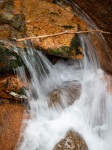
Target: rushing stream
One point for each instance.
(90, 115)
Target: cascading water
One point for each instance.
(90, 115)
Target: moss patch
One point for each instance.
(61, 51)
(76, 44)
(74, 51)
(8, 59)
(68, 27)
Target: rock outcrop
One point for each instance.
(9, 59)
(19, 19)
(48, 19)
(11, 27)
(11, 84)
(10, 125)
(72, 141)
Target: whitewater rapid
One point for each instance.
(90, 115)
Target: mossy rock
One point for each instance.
(14, 20)
(72, 51)
(51, 19)
(9, 59)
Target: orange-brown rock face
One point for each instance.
(72, 141)
(44, 18)
(5, 31)
(41, 17)
(31, 18)
(10, 124)
(10, 84)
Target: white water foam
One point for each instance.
(90, 115)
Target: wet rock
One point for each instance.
(9, 59)
(10, 84)
(11, 27)
(66, 95)
(103, 54)
(72, 141)
(51, 19)
(10, 125)
(100, 12)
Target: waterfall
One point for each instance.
(90, 114)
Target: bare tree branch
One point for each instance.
(60, 33)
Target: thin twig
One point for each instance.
(64, 32)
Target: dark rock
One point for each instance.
(9, 59)
(100, 12)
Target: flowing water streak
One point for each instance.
(90, 115)
(92, 26)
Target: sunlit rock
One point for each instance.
(10, 125)
(48, 19)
